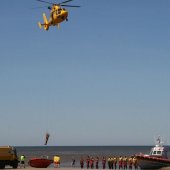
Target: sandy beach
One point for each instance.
(52, 168)
(49, 168)
(63, 168)
(66, 168)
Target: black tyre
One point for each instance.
(15, 164)
(2, 165)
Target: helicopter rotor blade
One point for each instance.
(65, 2)
(45, 2)
(70, 6)
(40, 7)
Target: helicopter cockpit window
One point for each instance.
(59, 11)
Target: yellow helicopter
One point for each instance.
(57, 14)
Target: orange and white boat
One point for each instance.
(156, 159)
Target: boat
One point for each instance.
(40, 162)
(156, 159)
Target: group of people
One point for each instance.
(112, 162)
(121, 163)
(91, 162)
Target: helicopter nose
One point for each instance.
(66, 13)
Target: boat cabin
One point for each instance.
(159, 151)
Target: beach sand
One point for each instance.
(49, 168)
(67, 168)
(52, 168)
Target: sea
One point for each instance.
(67, 153)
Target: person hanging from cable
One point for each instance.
(46, 138)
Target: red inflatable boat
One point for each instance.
(40, 162)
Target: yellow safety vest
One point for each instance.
(56, 159)
(22, 158)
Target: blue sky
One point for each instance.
(103, 78)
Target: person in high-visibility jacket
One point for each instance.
(22, 161)
(130, 163)
(56, 161)
(135, 162)
(120, 162)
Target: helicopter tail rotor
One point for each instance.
(40, 25)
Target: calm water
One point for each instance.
(68, 152)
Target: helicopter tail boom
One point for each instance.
(46, 24)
